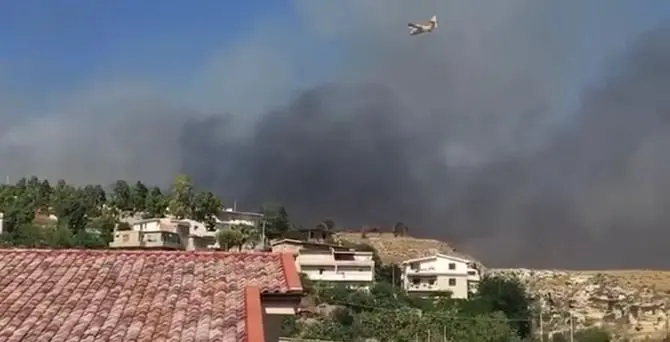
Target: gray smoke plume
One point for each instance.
(467, 141)
(500, 132)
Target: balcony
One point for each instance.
(329, 262)
(339, 276)
(423, 271)
(423, 287)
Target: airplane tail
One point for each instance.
(433, 20)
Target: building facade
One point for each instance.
(440, 273)
(330, 263)
(230, 217)
(159, 234)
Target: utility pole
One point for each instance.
(263, 233)
(572, 329)
(667, 331)
(541, 325)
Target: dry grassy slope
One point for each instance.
(632, 303)
(656, 280)
(397, 249)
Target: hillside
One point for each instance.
(393, 250)
(631, 303)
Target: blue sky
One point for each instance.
(51, 44)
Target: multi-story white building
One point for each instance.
(441, 273)
(231, 217)
(154, 224)
(330, 263)
(158, 234)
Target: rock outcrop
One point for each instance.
(631, 304)
(394, 250)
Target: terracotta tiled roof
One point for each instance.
(96, 296)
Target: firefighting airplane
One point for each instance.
(423, 26)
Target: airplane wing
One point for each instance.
(414, 26)
(413, 30)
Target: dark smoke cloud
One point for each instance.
(480, 134)
(594, 195)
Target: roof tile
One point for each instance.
(92, 296)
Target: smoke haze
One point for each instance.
(498, 132)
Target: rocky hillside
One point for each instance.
(633, 303)
(393, 250)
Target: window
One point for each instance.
(452, 281)
(321, 270)
(414, 266)
(416, 281)
(125, 238)
(452, 266)
(432, 281)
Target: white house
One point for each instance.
(330, 263)
(440, 273)
(192, 228)
(231, 217)
(2, 216)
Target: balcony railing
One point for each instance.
(333, 263)
(423, 287)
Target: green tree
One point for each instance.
(506, 295)
(229, 238)
(400, 229)
(94, 198)
(61, 237)
(156, 203)
(204, 208)
(44, 195)
(181, 200)
(122, 196)
(138, 197)
(250, 235)
(276, 220)
(73, 212)
(28, 236)
(18, 211)
(104, 226)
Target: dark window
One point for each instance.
(452, 266)
(452, 281)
